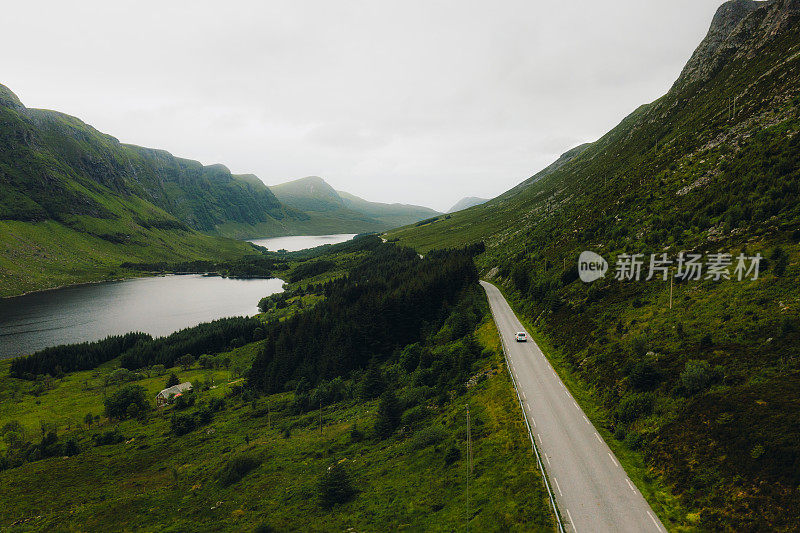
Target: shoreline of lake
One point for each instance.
(94, 309)
(137, 275)
(158, 305)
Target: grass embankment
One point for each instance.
(158, 481)
(42, 255)
(700, 399)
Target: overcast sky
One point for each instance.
(409, 101)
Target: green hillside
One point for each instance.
(49, 161)
(339, 429)
(329, 211)
(707, 390)
(76, 203)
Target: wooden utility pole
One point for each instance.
(469, 461)
(320, 418)
(670, 292)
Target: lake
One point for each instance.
(158, 306)
(301, 242)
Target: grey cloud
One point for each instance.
(412, 101)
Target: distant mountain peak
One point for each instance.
(466, 203)
(310, 193)
(342, 210)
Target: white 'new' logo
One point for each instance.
(591, 266)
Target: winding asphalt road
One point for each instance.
(594, 494)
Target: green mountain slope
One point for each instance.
(75, 203)
(47, 157)
(707, 389)
(329, 211)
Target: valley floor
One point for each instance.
(156, 481)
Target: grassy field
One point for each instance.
(156, 481)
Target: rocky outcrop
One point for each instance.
(739, 27)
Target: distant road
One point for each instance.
(593, 492)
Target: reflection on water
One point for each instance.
(158, 306)
(301, 242)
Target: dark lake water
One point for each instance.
(158, 306)
(301, 242)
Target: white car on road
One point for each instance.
(521, 336)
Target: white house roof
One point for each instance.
(175, 389)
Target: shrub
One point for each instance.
(634, 440)
(373, 384)
(634, 407)
(12, 426)
(780, 260)
(418, 395)
(414, 415)
(121, 375)
(204, 415)
(172, 380)
(707, 341)
(49, 446)
(411, 356)
(71, 448)
(328, 392)
(186, 361)
(757, 451)
(335, 486)
(118, 405)
(639, 346)
(216, 404)
(520, 276)
(389, 413)
(133, 411)
(787, 326)
(697, 376)
(356, 435)
(645, 376)
(236, 468)
(183, 423)
(185, 400)
(112, 436)
(452, 455)
(428, 437)
(13, 439)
